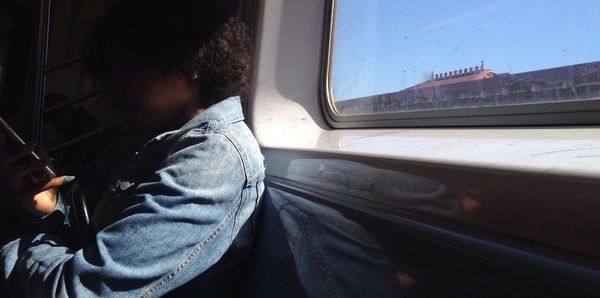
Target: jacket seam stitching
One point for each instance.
(238, 148)
(197, 249)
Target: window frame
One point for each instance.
(572, 113)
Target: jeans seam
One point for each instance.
(300, 236)
(321, 263)
(294, 246)
(197, 249)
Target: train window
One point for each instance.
(394, 60)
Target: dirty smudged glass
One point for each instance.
(393, 56)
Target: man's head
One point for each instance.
(195, 40)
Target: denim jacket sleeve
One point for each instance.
(180, 222)
(54, 221)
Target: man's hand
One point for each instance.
(38, 198)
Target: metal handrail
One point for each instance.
(83, 137)
(42, 61)
(74, 100)
(64, 63)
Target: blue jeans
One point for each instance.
(306, 249)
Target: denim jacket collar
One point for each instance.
(228, 110)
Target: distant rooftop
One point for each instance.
(479, 86)
(457, 76)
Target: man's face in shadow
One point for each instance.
(154, 100)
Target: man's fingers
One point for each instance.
(58, 181)
(30, 168)
(13, 155)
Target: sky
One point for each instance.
(383, 46)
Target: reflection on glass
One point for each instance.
(388, 187)
(391, 56)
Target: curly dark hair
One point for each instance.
(198, 38)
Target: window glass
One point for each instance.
(401, 56)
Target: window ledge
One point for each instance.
(552, 152)
(572, 152)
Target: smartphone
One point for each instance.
(12, 136)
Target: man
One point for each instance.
(176, 213)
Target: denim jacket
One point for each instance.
(170, 214)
